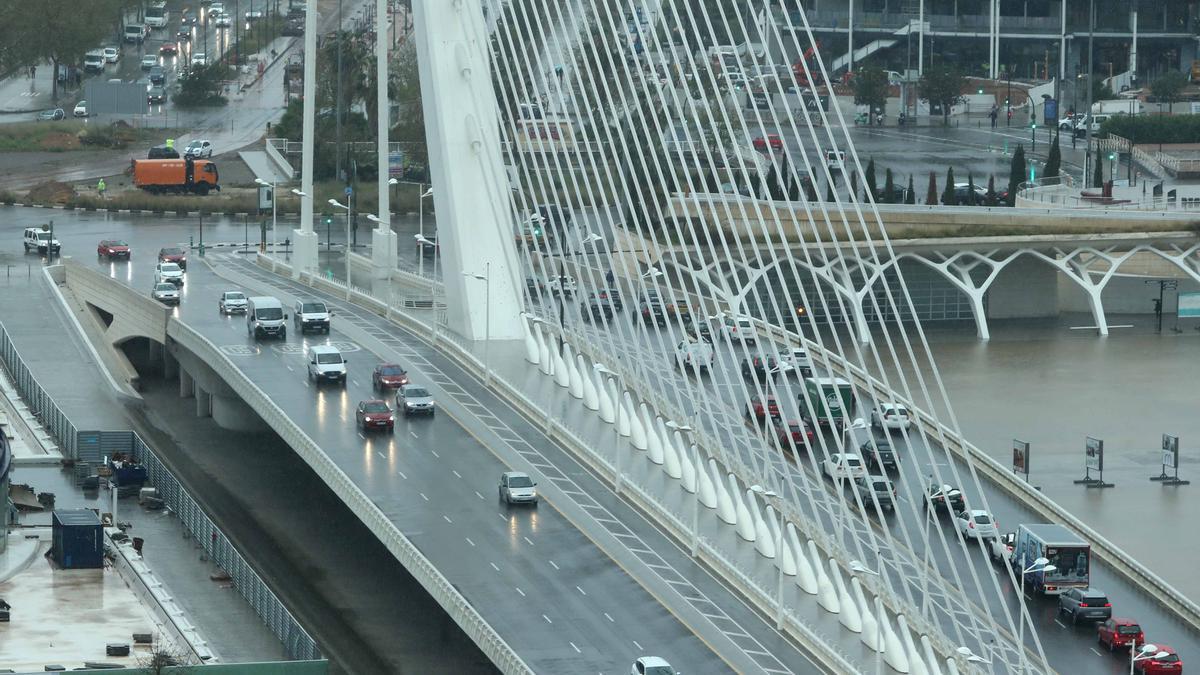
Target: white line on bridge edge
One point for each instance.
(573, 646)
(552, 564)
(547, 619)
(478, 495)
(435, 454)
(608, 617)
(402, 474)
(635, 644)
(1097, 653)
(423, 496)
(1060, 623)
(528, 540)
(581, 590)
(361, 436)
(381, 455)
(456, 474)
(520, 591)
(414, 434)
(447, 519)
(494, 566)
(470, 542)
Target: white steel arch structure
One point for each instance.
(609, 108)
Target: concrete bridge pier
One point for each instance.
(187, 386)
(204, 402)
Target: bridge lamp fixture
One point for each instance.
(762, 492)
(652, 273)
(592, 238)
(393, 181)
(375, 219)
(679, 427)
(860, 568)
(971, 656)
(299, 193)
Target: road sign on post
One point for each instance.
(1093, 461)
(1170, 458)
(1020, 460)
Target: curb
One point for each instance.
(144, 212)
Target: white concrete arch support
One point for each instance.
(653, 441)
(764, 543)
(545, 364)
(726, 511)
(562, 376)
(625, 417)
(958, 269)
(745, 522)
(893, 648)
(826, 593)
(668, 448)
(532, 351)
(574, 377)
(1080, 266)
(687, 467)
(637, 430)
(673, 460)
(806, 579)
(706, 492)
(849, 616)
(784, 559)
(870, 628)
(931, 658)
(591, 398)
(837, 273)
(916, 664)
(608, 411)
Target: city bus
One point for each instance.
(1070, 555)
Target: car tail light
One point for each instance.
(1108, 604)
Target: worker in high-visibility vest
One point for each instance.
(170, 143)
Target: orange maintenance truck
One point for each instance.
(198, 176)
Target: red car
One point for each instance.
(389, 376)
(113, 248)
(1118, 633)
(175, 255)
(168, 49)
(759, 411)
(375, 415)
(772, 140)
(1170, 664)
(796, 430)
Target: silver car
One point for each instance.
(415, 401)
(232, 302)
(518, 488)
(166, 293)
(978, 524)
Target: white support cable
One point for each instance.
(655, 163)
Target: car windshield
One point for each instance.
(376, 407)
(415, 392)
(1129, 630)
(172, 251)
(983, 519)
(44, 236)
(881, 486)
(1169, 658)
(329, 358)
(269, 314)
(312, 307)
(519, 482)
(235, 296)
(659, 670)
(850, 461)
(117, 243)
(1071, 563)
(391, 370)
(170, 267)
(164, 287)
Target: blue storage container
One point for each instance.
(78, 542)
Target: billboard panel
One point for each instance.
(116, 98)
(1094, 448)
(1189, 305)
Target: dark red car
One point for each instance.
(1118, 633)
(757, 410)
(1170, 664)
(389, 376)
(175, 255)
(772, 140)
(796, 430)
(168, 49)
(375, 415)
(113, 248)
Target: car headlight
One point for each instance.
(391, 418)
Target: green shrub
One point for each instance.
(1154, 129)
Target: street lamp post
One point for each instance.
(486, 278)
(346, 208)
(764, 493)
(302, 195)
(273, 210)
(1039, 565)
(695, 502)
(1148, 651)
(423, 242)
(600, 368)
(421, 225)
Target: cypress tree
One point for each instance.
(1054, 161)
(911, 197)
(989, 199)
(870, 187)
(853, 184)
(931, 195)
(1098, 174)
(948, 198)
(971, 199)
(889, 188)
(829, 192)
(1016, 175)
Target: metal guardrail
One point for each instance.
(52, 418)
(297, 643)
(1136, 573)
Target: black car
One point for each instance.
(162, 152)
(612, 296)
(887, 459)
(595, 310)
(1089, 604)
(534, 288)
(157, 76)
(697, 329)
(651, 312)
(760, 368)
(946, 497)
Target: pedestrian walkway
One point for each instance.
(19, 93)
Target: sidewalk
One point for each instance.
(19, 94)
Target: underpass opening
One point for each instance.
(364, 609)
(104, 317)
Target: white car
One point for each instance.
(166, 293)
(652, 665)
(216, 8)
(232, 302)
(695, 355)
(223, 20)
(326, 364)
(891, 416)
(149, 61)
(199, 59)
(111, 54)
(198, 149)
(168, 272)
(563, 285)
(976, 524)
(739, 329)
(80, 109)
(796, 359)
(1001, 548)
(844, 466)
(518, 488)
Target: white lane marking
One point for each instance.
(456, 474)
(361, 436)
(502, 516)
(528, 540)
(306, 383)
(552, 564)
(573, 646)
(424, 497)
(470, 542)
(447, 519)
(290, 368)
(1060, 623)
(1097, 653)
(435, 454)
(494, 566)
(639, 647)
(381, 455)
(478, 495)
(520, 591)
(608, 617)
(402, 474)
(581, 591)
(547, 619)
(355, 382)
(414, 435)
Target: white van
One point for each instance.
(264, 316)
(41, 240)
(694, 354)
(325, 364)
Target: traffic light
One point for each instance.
(980, 92)
(1112, 156)
(328, 220)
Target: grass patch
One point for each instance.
(69, 135)
(176, 204)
